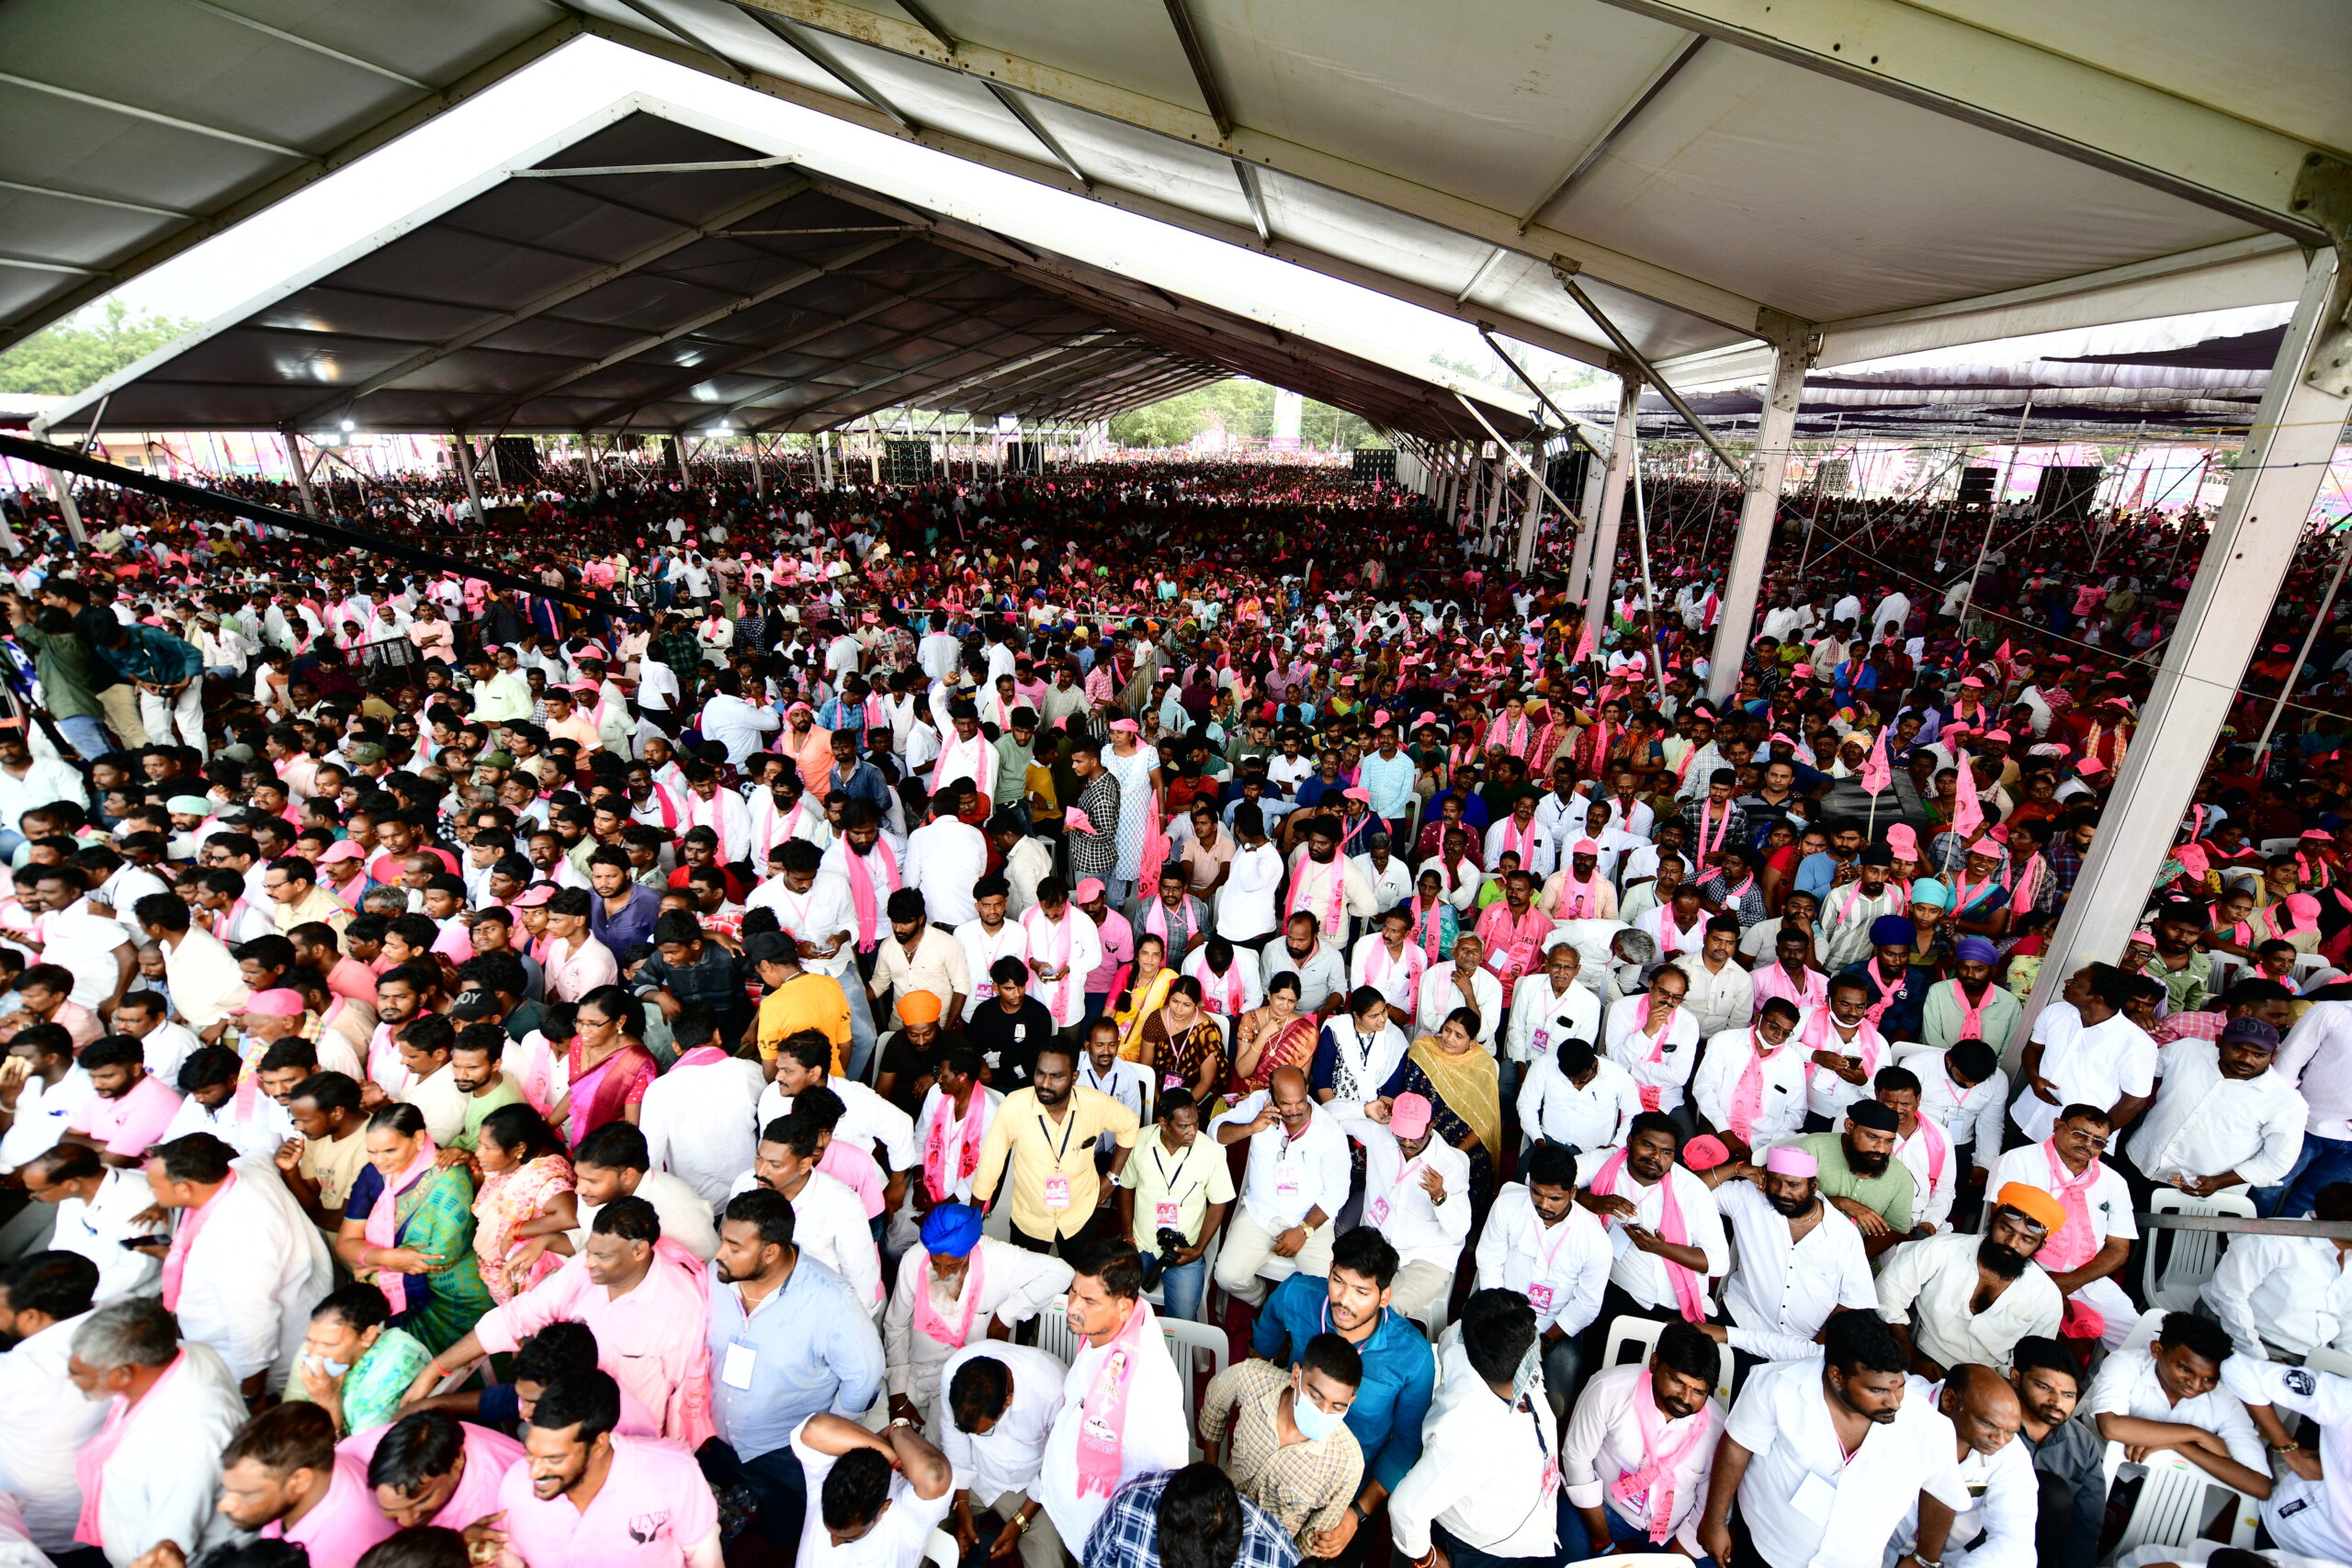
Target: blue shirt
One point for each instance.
(632, 925)
(1816, 874)
(811, 1347)
(1399, 1373)
(863, 782)
(1389, 782)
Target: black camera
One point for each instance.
(1170, 1241)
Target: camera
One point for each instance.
(1169, 1243)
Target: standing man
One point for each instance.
(1001, 1402)
(1047, 1131)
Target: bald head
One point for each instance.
(1983, 1408)
(1287, 1092)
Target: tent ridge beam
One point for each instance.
(310, 46)
(1662, 78)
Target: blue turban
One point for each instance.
(1976, 950)
(950, 1230)
(1893, 930)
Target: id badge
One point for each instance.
(1376, 1212)
(1166, 1212)
(1170, 1080)
(1057, 1193)
(1542, 1038)
(1540, 1297)
(735, 1371)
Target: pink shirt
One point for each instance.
(1771, 980)
(855, 1169)
(129, 1125)
(655, 1507)
(651, 1339)
(571, 976)
(488, 1456)
(346, 1522)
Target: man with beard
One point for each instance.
(1327, 884)
(657, 1510)
(2083, 1259)
(1997, 1528)
(1047, 1132)
(1637, 1478)
(2068, 1459)
(1800, 1260)
(1860, 1176)
(1964, 1298)
(1884, 1445)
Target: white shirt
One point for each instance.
(1236, 991)
(1782, 1290)
(684, 1214)
(1935, 1175)
(2204, 1123)
(944, 858)
(1287, 1177)
(85, 944)
(1938, 1276)
(738, 726)
(1396, 976)
(2127, 1385)
(167, 1047)
(724, 814)
(936, 1105)
(1154, 1438)
(255, 1135)
(43, 1109)
(898, 1538)
(1996, 1531)
(827, 910)
(2292, 1292)
(161, 1481)
(1014, 1286)
(698, 1125)
(49, 779)
(1641, 1275)
(1489, 1474)
(1604, 1443)
(1807, 1506)
(1723, 998)
(1072, 944)
(1390, 887)
(2092, 1065)
(830, 1225)
(1245, 905)
(1552, 1106)
(868, 1121)
(49, 1421)
(253, 1275)
(1971, 1117)
(2109, 1198)
(1441, 993)
(96, 1230)
(2316, 1057)
(1779, 1108)
(1533, 844)
(1009, 1455)
(1395, 1202)
(1561, 1269)
(1676, 1047)
(2310, 1518)
(1542, 1017)
(982, 949)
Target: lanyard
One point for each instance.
(1070, 1125)
(1167, 1186)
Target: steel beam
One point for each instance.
(2002, 84)
(865, 356)
(1768, 468)
(1586, 303)
(1036, 128)
(1659, 81)
(786, 415)
(1197, 55)
(138, 207)
(1248, 175)
(789, 33)
(310, 46)
(2253, 544)
(1621, 458)
(170, 122)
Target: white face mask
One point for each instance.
(1313, 1423)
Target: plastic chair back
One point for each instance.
(1054, 1336)
(940, 1550)
(2191, 1256)
(2179, 1504)
(1637, 1334)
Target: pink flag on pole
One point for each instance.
(1876, 774)
(1967, 811)
(1584, 641)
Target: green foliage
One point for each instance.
(60, 360)
(1246, 408)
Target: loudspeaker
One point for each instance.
(907, 462)
(1976, 486)
(518, 459)
(1372, 464)
(2066, 492)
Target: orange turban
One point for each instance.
(918, 1007)
(2034, 1205)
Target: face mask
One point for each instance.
(1313, 1423)
(332, 1368)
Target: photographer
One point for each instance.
(1172, 1196)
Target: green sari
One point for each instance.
(435, 1216)
(374, 1386)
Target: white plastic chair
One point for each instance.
(2191, 1256)
(2327, 1358)
(1208, 1338)
(940, 1550)
(2178, 1504)
(1639, 1335)
(2309, 964)
(2242, 876)
(1898, 1050)
(2282, 846)
(1054, 1337)
(457, 1380)
(2228, 969)
(2143, 1333)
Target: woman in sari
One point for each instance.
(1459, 1078)
(1436, 926)
(1147, 988)
(1273, 1036)
(1182, 1041)
(409, 1222)
(607, 1068)
(355, 1365)
(524, 1203)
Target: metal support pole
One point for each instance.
(1652, 654)
(1768, 466)
(1993, 514)
(497, 471)
(2294, 434)
(1612, 502)
(588, 456)
(61, 491)
(465, 447)
(1531, 518)
(302, 475)
(678, 451)
(758, 473)
(1494, 484)
(1580, 562)
(2303, 654)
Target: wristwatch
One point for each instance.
(898, 1421)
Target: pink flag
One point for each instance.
(1876, 774)
(2001, 654)
(1584, 641)
(1967, 811)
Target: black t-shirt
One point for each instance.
(1010, 1039)
(915, 1066)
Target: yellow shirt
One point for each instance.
(812, 1001)
(1041, 1149)
(322, 906)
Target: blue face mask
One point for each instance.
(1313, 1423)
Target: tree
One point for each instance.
(1248, 409)
(60, 360)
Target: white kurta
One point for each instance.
(253, 1275)
(698, 1125)
(1153, 1439)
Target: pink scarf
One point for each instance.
(1102, 1423)
(1672, 1227)
(861, 890)
(1426, 922)
(184, 1241)
(935, 1174)
(1748, 1097)
(1586, 892)
(1886, 994)
(1060, 985)
(90, 1465)
(1938, 1151)
(383, 1226)
(2073, 1243)
(1649, 1491)
(1228, 999)
(1382, 961)
(927, 1318)
(1972, 1016)
(1706, 814)
(1338, 888)
(1819, 1034)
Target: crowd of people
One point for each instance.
(812, 1038)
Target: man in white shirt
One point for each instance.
(1965, 1092)
(1246, 915)
(1001, 1401)
(697, 1117)
(849, 1526)
(615, 1162)
(2309, 1511)
(1664, 1228)
(828, 1219)
(945, 857)
(1655, 1037)
(1827, 1456)
(2223, 1117)
(989, 935)
(1576, 1099)
(1294, 1186)
(1387, 959)
(1924, 1147)
(1064, 949)
(2285, 1295)
(253, 1265)
(43, 1299)
(2084, 1255)
(1959, 1298)
(2170, 1397)
(957, 1289)
(1800, 1260)
(1542, 1243)
(1464, 982)
(99, 1209)
(1488, 1475)
(1996, 1529)
(1636, 1477)
(2317, 1058)
(1551, 1007)
(1417, 1193)
(2085, 1052)
(1721, 993)
(1122, 1393)
(1750, 1086)
(734, 720)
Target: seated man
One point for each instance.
(2222, 1118)
(2306, 1512)
(1799, 1259)
(1284, 1437)
(881, 1493)
(1749, 1089)
(2170, 1397)
(2069, 1462)
(2100, 1230)
(1542, 1243)
(1922, 1146)
(1635, 1479)
(1961, 1298)
(1002, 1400)
(1574, 1098)
(1965, 1093)
(1997, 1525)
(1663, 1226)
(1417, 1193)
(2290, 1294)
(1860, 1176)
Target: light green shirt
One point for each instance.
(478, 1106)
(1889, 1194)
(1192, 1181)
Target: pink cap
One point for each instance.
(1791, 1160)
(1971, 680)
(1584, 847)
(2090, 767)
(2000, 735)
(1088, 890)
(2144, 939)
(1408, 1115)
(1988, 845)
(532, 897)
(1359, 793)
(341, 849)
(279, 1002)
(1704, 1153)
(1803, 672)
(1902, 841)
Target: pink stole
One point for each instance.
(1688, 1293)
(383, 1225)
(90, 1465)
(927, 1318)
(1103, 1412)
(1649, 1491)
(861, 890)
(935, 1174)
(192, 1224)
(1338, 888)
(1971, 1025)
(1748, 1097)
